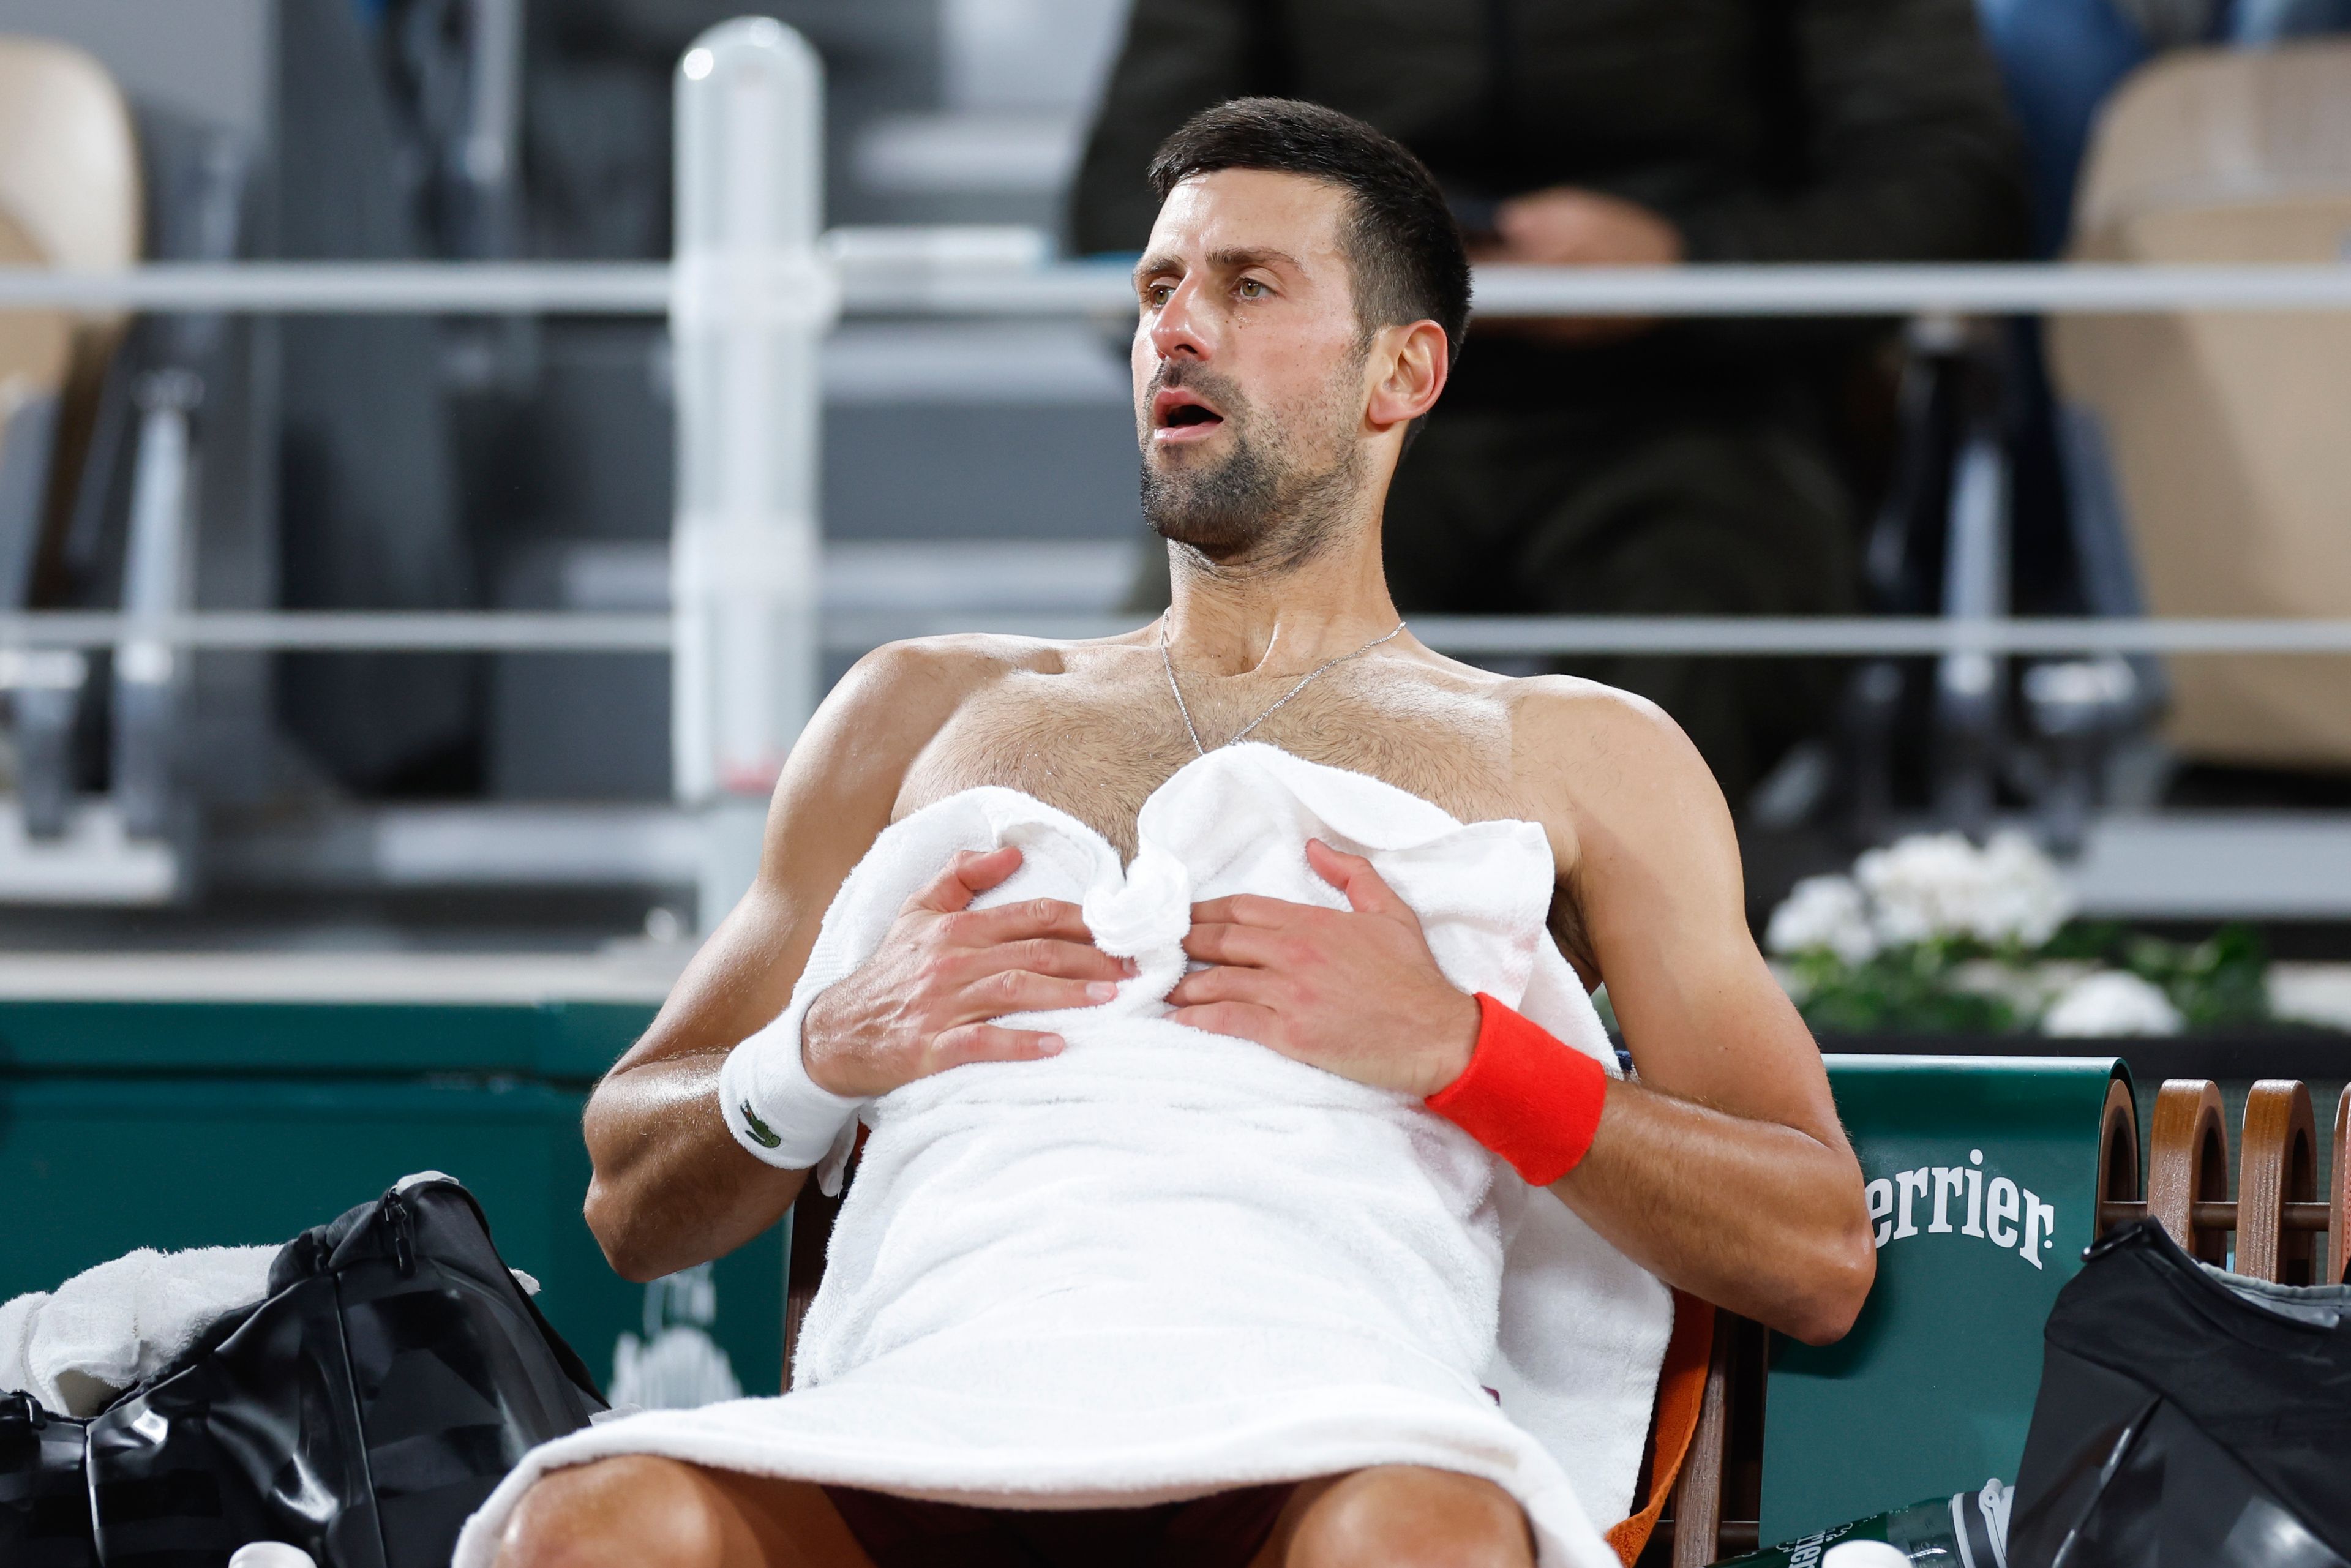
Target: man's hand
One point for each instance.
(920, 1005)
(1564, 226)
(1354, 992)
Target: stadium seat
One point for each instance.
(2225, 429)
(71, 195)
(36, 355)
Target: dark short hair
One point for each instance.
(1402, 243)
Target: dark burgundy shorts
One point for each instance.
(1224, 1531)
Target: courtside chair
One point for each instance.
(1704, 1467)
(1692, 1417)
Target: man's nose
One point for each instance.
(1179, 329)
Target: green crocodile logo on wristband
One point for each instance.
(762, 1134)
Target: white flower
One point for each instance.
(1823, 912)
(2111, 1002)
(1918, 884)
(2026, 897)
(1940, 884)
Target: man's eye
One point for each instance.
(1158, 294)
(1252, 289)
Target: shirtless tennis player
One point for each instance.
(1301, 297)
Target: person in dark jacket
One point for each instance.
(1606, 466)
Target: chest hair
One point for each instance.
(1096, 742)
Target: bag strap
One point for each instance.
(1681, 1391)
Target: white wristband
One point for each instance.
(777, 1111)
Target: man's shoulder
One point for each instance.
(872, 730)
(959, 664)
(1548, 711)
(901, 694)
(1595, 741)
(968, 656)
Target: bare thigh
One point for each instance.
(639, 1509)
(1400, 1516)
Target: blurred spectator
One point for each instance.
(1685, 468)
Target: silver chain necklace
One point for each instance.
(1168, 663)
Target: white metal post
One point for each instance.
(752, 302)
(157, 572)
(487, 153)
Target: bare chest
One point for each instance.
(1096, 744)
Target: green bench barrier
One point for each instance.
(172, 1125)
(1984, 1175)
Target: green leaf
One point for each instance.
(1903, 990)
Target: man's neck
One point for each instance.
(1227, 619)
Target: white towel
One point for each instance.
(114, 1326)
(1166, 1262)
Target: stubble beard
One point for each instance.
(1266, 506)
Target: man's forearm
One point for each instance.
(1761, 1219)
(671, 1187)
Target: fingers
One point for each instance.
(990, 1042)
(1353, 875)
(1248, 909)
(1366, 892)
(1253, 945)
(1019, 922)
(1062, 960)
(969, 872)
(1018, 991)
(1255, 987)
(1236, 1019)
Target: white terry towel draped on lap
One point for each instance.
(1166, 1262)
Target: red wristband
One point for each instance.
(1532, 1099)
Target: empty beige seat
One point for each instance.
(68, 155)
(35, 363)
(35, 346)
(71, 196)
(2230, 432)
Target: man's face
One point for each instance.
(1248, 366)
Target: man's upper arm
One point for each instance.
(836, 793)
(1653, 869)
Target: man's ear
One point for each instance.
(1409, 365)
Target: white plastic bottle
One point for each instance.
(1866, 1554)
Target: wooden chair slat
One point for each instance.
(2277, 1166)
(2188, 1161)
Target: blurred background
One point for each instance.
(303, 920)
(2105, 465)
(405, 463)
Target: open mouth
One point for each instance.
(1178, 414)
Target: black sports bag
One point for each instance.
(2187, 1418)
(392, 1376)
(44, 1494)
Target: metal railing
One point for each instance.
(754, 288)
(1087, 288)
(856, 631)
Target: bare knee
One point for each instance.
(1406, 1516)
(614, 1514)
